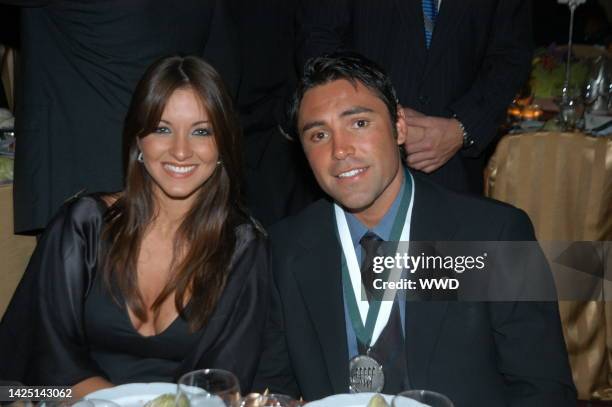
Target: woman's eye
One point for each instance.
(162, 130)
(202, 132)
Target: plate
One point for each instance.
(133, 394)
(347, 400)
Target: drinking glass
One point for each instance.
(571, 107)
(430, 398)
(591, 93)
(208, 388)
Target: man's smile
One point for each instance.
(352, 173)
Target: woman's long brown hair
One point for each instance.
(205, 239)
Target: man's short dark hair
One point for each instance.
(349, 66)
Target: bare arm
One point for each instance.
(89, 385)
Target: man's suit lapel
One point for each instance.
(449, 17)
(318, 273)
(430, 222)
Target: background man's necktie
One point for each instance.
(430, 13)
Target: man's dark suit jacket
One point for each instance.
(479, 57)
(476, 353)
(278, 180)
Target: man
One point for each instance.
(477, 354)
(456, 66)
(278, 180)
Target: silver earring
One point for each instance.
(140, 157)
(219, 162)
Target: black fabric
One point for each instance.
(79, 63)
(279, 182)
(479, 57)
(478, 354)
(390, 352)
(43, 334)
(370, 243)
(123, 354)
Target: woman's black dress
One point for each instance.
(61, 327)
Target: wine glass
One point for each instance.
(571, 107)
(430, 398)
(208, 388)
(590, 95)
(597, 90)
(608, 91)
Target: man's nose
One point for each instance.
(342, 145)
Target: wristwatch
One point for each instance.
(467, 140)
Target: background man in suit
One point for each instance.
(458, 63)
(80, 61)
(279, 182)
(478, 354)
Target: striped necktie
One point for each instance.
(430, 12)
(370, 243)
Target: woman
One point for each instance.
(169, 275)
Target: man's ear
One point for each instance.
(401, 126)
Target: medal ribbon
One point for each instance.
(365, 316)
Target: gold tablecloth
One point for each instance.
(564, 182)
(15, 250)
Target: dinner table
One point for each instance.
(563, 181)
(15, 250)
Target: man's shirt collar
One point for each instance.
(383, 228)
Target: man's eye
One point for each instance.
(202, 132)
(362, 123)
(318, 136)
(162, 130)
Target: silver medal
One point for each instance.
(365, 375)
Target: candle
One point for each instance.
(531, 112)
(514, 111)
